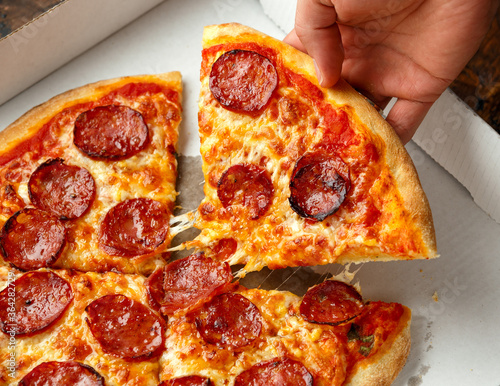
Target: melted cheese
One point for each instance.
(284, 333)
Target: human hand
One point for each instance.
(408, 49)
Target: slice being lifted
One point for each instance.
(296, 174)
(87, 179)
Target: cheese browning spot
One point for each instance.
(243, 81)
(190, 380)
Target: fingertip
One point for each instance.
(328, 80)
(325, 47)
(293, 40)
(328, 73)
(406, 116)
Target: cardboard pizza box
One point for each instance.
(58, 35)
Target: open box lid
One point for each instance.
(58, 35)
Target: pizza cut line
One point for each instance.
(295, 175)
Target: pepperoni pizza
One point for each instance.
(296, 174)
(120, 329)
(87, 179)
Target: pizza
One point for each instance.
(296, 174)
(205, 329)
(89, 178)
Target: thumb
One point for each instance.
(317, 30)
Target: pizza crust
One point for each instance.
(385, 365)
(29, 123)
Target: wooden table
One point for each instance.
(478, 84)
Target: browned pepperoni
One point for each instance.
(184, 283)
(247, 185)
(40, 299)
(190, 380)
(319, 185)
(331, 302)
(64, 190)
(229, 320)
(276, 372)
(243, 81)
(32, 239)
(134, 227)
(125, 327)
(225, 248)
(62, 373)
(110, 132)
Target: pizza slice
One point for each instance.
(95, 327)
(298, 175)
(87, 179)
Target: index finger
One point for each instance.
(319, 35)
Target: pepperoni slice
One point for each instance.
(243, 81)
(225, 248)
(319, 185)
(125, 328)
(229, 321)
(32, 239)
(185, 283)
(190, 380)
(276, 372)
(331, 302)
(134, 227)
(40, 299)
(62, 373)
(64, 190)
(110, 132)
(247, 185)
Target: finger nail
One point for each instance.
(319, 75)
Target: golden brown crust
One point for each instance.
(383, 367)
(29, 123)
